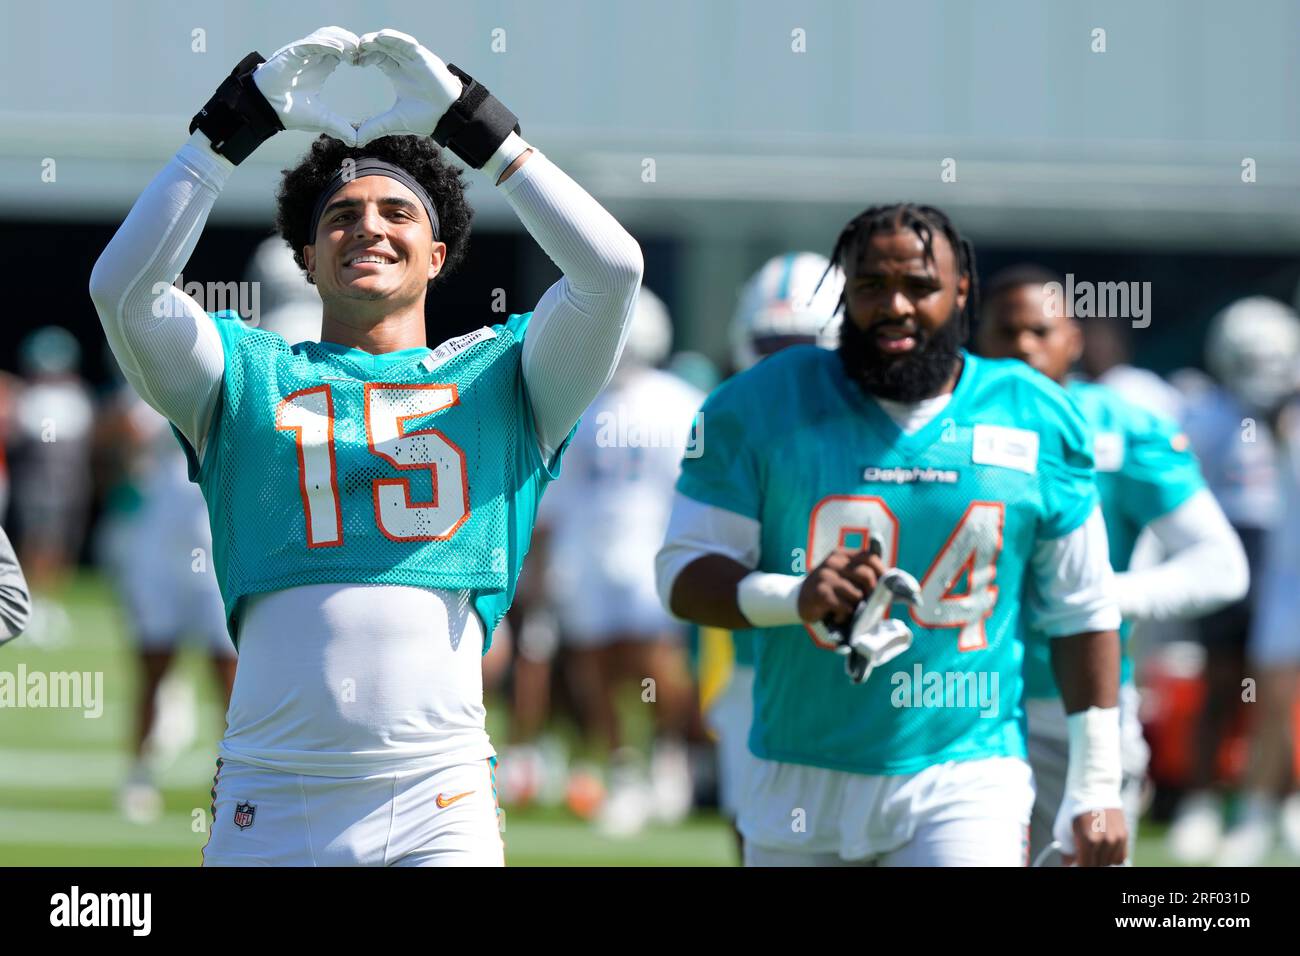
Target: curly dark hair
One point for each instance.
(418, 155)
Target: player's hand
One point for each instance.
(1100, 839)
(425, 87)
(834, 588)
(292, 78)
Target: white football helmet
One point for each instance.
(288, 304)
(650, 337)
(1253, 349)
(782, 305)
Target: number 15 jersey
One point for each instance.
(328, 464)
(961, 504)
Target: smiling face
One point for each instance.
(374, 242)
(1025, 323)
(903, 331)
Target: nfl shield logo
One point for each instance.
(244, 815)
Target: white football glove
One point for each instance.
(868, 649)
(425, 87)
(870, 638)
(291, 80)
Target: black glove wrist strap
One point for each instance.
(238, 118)
(476, 125)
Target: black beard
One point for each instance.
(911, 377)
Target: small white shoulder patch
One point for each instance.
(1005, 447)
(460, 343)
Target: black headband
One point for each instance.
(368, 166)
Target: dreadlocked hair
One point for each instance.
(925, 221)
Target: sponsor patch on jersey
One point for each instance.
(873, 474)
(244, 813)
(1108, 451)
(1005, 447)
(444, 352)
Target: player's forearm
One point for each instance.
(597, 255)
(705, 592)
(1205, 571)
(1196, 581)
(160, 233)
(168, 349)
(577, 330)
(1086, 667)
(1087, 671)
(706, 555)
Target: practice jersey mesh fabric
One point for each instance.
(1145, 469)
(960, 504)
(326, 464)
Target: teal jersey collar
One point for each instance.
(370, 364)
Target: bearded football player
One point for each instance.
(903, 474)
(371, 498)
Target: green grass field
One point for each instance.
(60, 770)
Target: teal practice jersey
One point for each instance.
(960, 504)
(328, 464)
(1145, 469)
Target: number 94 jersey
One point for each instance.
(960, 504)
(328, 464)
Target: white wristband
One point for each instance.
(199, 152)
(1095, 774)
(769, 600)
(511, 149)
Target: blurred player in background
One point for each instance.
(903, 451)
(535, 767)
(606, 519)
(791, 300)
(53, 429)
(1268, 794)
(1147, 477)
(371, 498)
(1106, 357)
(157, 545)
(288, 305)
(1251, 350)
(695, 369)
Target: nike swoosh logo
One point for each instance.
(445, 802)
